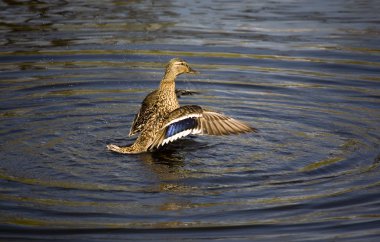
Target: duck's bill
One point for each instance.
(192, 71)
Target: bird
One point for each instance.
(161, 120)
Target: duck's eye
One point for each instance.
(180, 64)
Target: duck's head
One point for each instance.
(178, 66)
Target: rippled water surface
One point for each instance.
(305, 73)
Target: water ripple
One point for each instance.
(306, 75)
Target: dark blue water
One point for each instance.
(306, 74)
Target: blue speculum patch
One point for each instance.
(180, 126)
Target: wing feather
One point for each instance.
(193, 119)
(146, 110)
(219, 124)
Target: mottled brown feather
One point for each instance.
(210, 123)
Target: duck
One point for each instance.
(161, 120)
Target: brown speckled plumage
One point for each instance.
(160, 111)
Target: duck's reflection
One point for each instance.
(174, 177)
(167, 164)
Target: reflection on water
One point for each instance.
(306, 74)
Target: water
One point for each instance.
(306, 74)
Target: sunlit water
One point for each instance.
(305, 73)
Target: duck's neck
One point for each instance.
(168, 82)
(166, 92)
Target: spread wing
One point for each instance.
(193, 119)
(182, 92)
(146, 110)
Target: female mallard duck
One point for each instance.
(161, 120)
